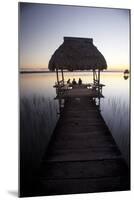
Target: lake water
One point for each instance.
(39, 88)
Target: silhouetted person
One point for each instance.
(74, 81)
(68, 81)
(79, 81)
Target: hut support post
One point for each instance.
(94, 76)
(98, 76)
(59, 106)
(57, 76)
(99, 102)
(98, 85)
(62, 75)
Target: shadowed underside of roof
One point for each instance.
(77, 54)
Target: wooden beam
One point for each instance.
(62, 75)
(57, 75)
(93, 76)
(98, 76)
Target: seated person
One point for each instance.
(68, 81)
(74, 81)
(79, 81)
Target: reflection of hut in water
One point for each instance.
(77, 54)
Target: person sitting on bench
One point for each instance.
(79, 81)
(68, 81)
(74, 81)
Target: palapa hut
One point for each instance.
(77, 54)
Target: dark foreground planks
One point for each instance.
(82, 155)
(72, 186)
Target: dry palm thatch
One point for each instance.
(77, 54)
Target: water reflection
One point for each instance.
(126, 77)
(42, 84)
(37, 84)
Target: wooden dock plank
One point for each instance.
(79, 92)
(73, 186)
(68, 170)
(83, 154)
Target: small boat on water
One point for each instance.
(126, 71)
(126, 74)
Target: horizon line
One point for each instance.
(47, 70)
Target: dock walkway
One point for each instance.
(82, 155)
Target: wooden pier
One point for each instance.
(82, 155)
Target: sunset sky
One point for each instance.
(42, 28)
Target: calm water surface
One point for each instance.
(114, 105)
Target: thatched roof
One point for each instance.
(77, 54)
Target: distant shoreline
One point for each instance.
(27, 72)
(38, 72)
